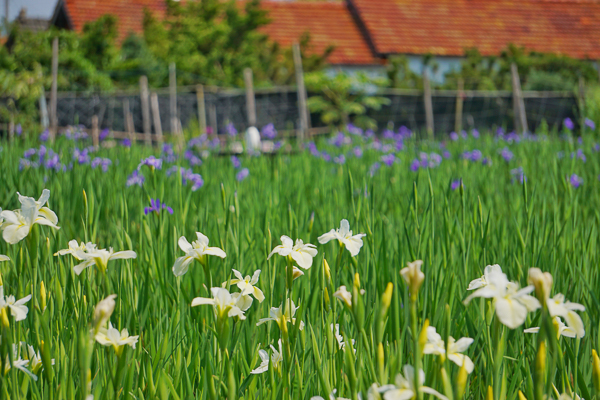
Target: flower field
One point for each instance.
(360, 266)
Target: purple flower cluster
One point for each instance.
(455, 184)
(76, 134)
(82, 156)
(103, 134)
(168, 153)
(243, 174)
(126, 142)
(568, 124)
(389, 159)
(473, 156)
(425, 160)
(156, 206)
(135, 179)
(152, 162)
(193, 159)
(44, 136)
(268, 132)
(103, 163)
(230, 129)
(506, 154)
(518, 175)
(187, 176)
(575, 180)
(236, 162)
(354, 130)
(579, 154)
(589, 123)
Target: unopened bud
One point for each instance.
(386, 299)
(103, 311)
(489, 394)
(461, 382)
(596, 370)
(327, 270)
(542, 281)
(413, 277)
(423, 335)
(43, 296)
(357, 281)
(522, 396)
(297, 273)
(4, 317)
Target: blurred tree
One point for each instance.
(345, 98)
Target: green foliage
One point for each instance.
(537, 71)
(401, 76)
(344, 98)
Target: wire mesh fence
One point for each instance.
(225, 108)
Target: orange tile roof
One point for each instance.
(328, 23)
(130, 13)
(448, 27)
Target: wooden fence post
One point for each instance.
(250, 100)
(518, 102)
(582, 104)
(302, 107)
(54, 91)
(428, 103)
(201, 108)
(95, 135)
(145, 109)
(212, 117)
(458, 117)
(173, 98)
(128, 119)
(156, 117)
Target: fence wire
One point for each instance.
(279, 106)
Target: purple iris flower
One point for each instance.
(415, 165)
(19, 130)
(386, 148)
(476, 155)
(463, 134)
(236, 162)
(454, 136)
(486, 161)
(104, 134)
(579, 154)
(369, 133)
(446, 154)
(518, 174)
(388, 159)
(455, 184)
(230, 129)
(126, 142)
(326, 156)
(198, 140)
(103, 163)
(52, 161)
(354, 130)
(45, 135)
(596, 147)
(475, 133)
(192, 158)
(268, 132)
(434, 160)
(29, 153)
(135, 179)
(156, 206)
(243, 174)
(404, 132)
(399, 145)
(500, 132)
(24, 163)
(575, 180)
(341, 159)
(590, 124)
(506, 154)
(152, 162)
(358, 151)
(568, 124)
(374, 168)
(81, 156)
(388, 134)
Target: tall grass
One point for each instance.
(544, 222)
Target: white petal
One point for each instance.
(215, 251)
(123, 255)
(4, 258)
(432, 392)
(80, 267)
(303, 259)
(510, 312)
(202, 238)
(199, 301)
(184, 244)
(15, 233)
(326, 237)
(182, 265)
(354, 244)
(461, 345)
